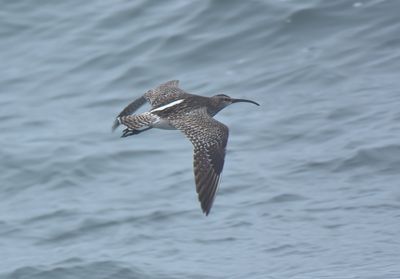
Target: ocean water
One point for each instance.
(311, 184)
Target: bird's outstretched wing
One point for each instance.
(209, 138)
(164, 94)
(161, 95)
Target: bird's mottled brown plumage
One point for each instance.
(164, 93)
(209, 138)
(173, 108)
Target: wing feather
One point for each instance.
(164, 94)
(158, 96)
(209, 138)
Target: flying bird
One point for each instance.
(174, 108)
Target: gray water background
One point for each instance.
(310, 187)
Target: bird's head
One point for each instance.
(221, 101)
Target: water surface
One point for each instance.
(310, 187)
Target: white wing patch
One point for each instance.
(168, 105)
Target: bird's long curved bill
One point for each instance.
(244, 101)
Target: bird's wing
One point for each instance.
(209, 138)
(128, 110)
(164, 94)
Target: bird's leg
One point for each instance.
(130, 132)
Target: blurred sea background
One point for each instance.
(311, 184)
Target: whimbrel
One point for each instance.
(173, 108)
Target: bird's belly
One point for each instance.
(163, 124)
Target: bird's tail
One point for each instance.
(135, 124)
